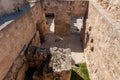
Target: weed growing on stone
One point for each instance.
(80, 72)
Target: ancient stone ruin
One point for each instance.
(43, 39)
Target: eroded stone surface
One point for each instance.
(61, 59)
(102, 48)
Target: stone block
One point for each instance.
(54, 63)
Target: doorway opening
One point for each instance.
(50, 22)
(77, 24)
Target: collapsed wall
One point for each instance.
(49, 63)
(102, 42)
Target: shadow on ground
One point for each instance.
(75, 76)
(73, 42)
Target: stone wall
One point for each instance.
(112, 8)
(18, 34)
(8, 6)
(63, 11)
(18, 68)
(102, 44)
(75, 8)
